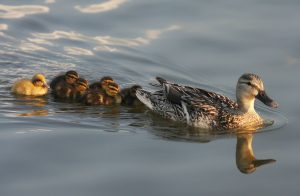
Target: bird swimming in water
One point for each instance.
(72, 92)
(128, 96)
(209, 110)
(37, 86)
(68, 78)
(102, 83)
(61, 85)
(108, 94)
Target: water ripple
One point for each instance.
(101, 7)
(20, 11)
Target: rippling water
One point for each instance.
(54, 148)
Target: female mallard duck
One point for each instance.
(109, 95)
(37, 86)
(128, 96)
(209, 110)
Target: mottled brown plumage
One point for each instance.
(201, 108)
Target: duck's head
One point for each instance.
(249, 87)
(81, 84)
(71, 76)
(39, 80)
(112, 89)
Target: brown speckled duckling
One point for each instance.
(109, 95)
(37, 86)
(69, 77)
(102, 84)
(62, 85)
(129, 96)
(80, 87)
(72, 91)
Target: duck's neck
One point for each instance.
(246, 105)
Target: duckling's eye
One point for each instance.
(37, 82)
(249, 83)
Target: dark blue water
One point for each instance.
(53, 148)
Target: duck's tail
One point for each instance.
(161, 80)
(144, 97)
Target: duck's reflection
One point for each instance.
(246, 161)
(245, 158)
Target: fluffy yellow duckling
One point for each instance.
(37, 86)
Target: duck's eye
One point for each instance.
(249, 83)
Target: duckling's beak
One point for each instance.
(263, 97)
(45, 85)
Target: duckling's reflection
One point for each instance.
(245, 158)
(35, 113)
(38, 104)
(30, 101)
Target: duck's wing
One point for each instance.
(194, 97)
(158, 103)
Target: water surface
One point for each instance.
(54, 148)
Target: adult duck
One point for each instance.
(209, 110)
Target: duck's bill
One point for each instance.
(263, 97)
(258, 163)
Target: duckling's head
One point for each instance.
(39, 80)
(249, 87)
(71, 76)
(132, 90)
(105, 81)
(112, 89)
(81, 84)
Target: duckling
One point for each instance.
(112, 91)
(71, 91)
(68, 78)
(37, 86)
(107, 96)
(128, 96)
(80, 87)
(104, 81)
(93, 97)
